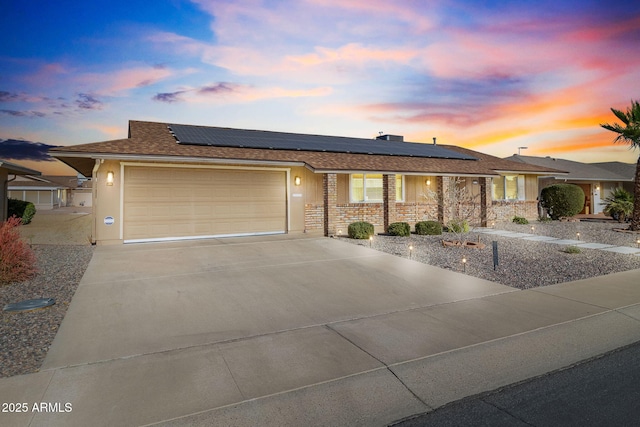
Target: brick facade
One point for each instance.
(313, 217)
(389, 200)
(505, 211)
(332, 217)
(330, 195)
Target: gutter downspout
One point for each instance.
(94, 195)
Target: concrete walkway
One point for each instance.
(579, 243)
(301, 331)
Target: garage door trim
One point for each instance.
(287, 172)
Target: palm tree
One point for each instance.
(630, 134)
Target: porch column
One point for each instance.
(485, 201)
(330, 195)
(389, 199)
(440, 186)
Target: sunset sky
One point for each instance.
(487, 75)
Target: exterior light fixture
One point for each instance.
(638, 242)
(340, 232)
(533, 229)
(410, 250)
(597, 188)
(578, 235)
(370, 240)
(464, 264)
(428, 182)
(493, 224)
(475, 182)
(110, 178)
(297, 180)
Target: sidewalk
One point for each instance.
(572, 242)
(367, 368)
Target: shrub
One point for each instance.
(21, 209)
(562, 200)
(458, 227)
(17, 260)
(520, 220)
(360, 230)
(399, 229)
(572, 250)
(619, 205)
(431, 228)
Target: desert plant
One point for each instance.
(619, 205)
(17, 260)
(630, 134)
(431, 228)
(399, 229)
(572, 250)
(562, 200)
(520, 220)
(458, 227)
(360, 230)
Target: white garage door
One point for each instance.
(163, 203)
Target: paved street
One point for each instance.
(601, 392)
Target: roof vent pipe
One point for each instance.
(434, 140)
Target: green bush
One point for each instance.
(399, 229)
(458, 227)
(21, 209)
(360, 230)
(562, 200)
(572, 250)
(430, 228)
(619, 205)
(520, 220)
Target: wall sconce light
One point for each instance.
(475, 182)
(428, 182)
(110, 178)
(297, 180)
(597, 188)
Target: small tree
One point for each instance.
(630, 134)
(17, 260)
(459, 206)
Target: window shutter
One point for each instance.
(521, 182)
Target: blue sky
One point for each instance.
(491, 76)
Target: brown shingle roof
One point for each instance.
(154, 140)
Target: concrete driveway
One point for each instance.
(287, 330)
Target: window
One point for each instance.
(368, 187)
(508, 187)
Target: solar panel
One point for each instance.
(241, 138)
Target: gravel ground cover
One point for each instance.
(522, 264)
(26, 337)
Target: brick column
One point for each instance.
(389, 200)
(440, 190)
(485, 201)
(330, 195)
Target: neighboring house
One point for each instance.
(8, 173)
(168, 182)
(597, 180)
(51, 191)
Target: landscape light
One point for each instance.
(410, 250)
(370, 240)
(464, 264)
(578, 235)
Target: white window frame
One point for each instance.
(364, 188)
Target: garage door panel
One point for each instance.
(166, 202)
